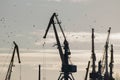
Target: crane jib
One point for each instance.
(9, 71)
(66, 67)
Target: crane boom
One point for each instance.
(50, 22)
(104, 59)
(56, 35)
(8, 75)
(106, 50)
(106, 55)
(17, 50)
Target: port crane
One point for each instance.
(9, 71)
(67, 68)
(93, 74)
(102, 64)
(106, 75)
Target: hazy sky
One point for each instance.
(50, 65)
(25, 22)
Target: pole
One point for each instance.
(87, 70)
(39, 78)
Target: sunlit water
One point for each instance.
(51, 64)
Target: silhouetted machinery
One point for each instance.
(111, 64)
(93, 74)
(67, 68)
(102, 73)
(87, 70)
(106, 75)
(9, 71)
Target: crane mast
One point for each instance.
(111, 64)
(9, 71)
(93, 53)
(106, 76)
(93, 74)
(67, 69)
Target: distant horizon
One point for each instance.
(50, 63)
